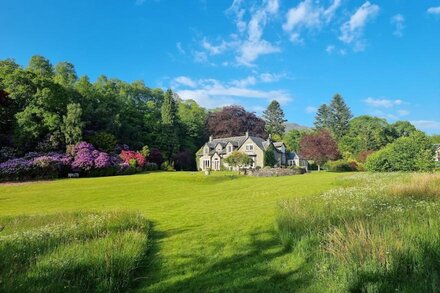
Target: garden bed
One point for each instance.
(275, 172)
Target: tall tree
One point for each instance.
(170, 137)
(40, 66)
(402, 128)
(234, 121)
(340, 115)
(319, 147)
(274, 118)
(322, 118)
(292, 139)
(72, 124)
(65, 74)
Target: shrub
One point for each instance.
(151, 166)
(155, 157)
(413, 153)
(343, 166)
(166, 166)
(135, 159)
(7, 153)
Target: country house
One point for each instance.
(212, 153)
(437, 153)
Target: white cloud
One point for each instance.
(307, 15)
(248, 44)
(245, 82)
(184, 80)
(311, 109)
(270, 77)
(398, 21)
(330, 48)
(383, 103)
(213, 93)
(180, 48)
(427, 124)
(434, 10)
(352, 30)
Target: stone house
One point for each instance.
(212, 153)
(437, 153)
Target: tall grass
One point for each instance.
(373, 237)
(71, 251)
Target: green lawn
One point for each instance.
(209, 233)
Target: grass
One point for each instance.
(380, 233)
(212, 233)
(71, 252)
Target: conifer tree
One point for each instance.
(322, 118)
(170, 125)
(340, 116)
(72, 124)
(274, 118)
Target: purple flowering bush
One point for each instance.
(82, 158)
(35, 166)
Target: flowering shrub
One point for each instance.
(128, 156)
(87, 158)
(36, 166)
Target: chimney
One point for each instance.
(247, 134)
(210, 138)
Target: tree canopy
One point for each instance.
(274, 118)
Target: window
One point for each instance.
(206, 150)
(249, 147)
(230, 149)
(206, 164)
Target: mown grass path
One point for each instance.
(212, 233)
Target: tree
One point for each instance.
(274, 118)
(322, 118)
(269, 157)
(40, 66)
(238, 160)
(319, 147)
(365, 133)
(65, 74)
(72, 124)
(234, 121)
(170, 142)
(193, 119)
(402, 128)
(292, 139)
(340, 116)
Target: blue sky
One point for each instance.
(382, 56)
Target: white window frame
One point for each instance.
(206, 150)
(230, 148)
(249, 147)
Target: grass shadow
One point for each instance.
(247, 271)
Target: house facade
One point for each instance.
(212, 154)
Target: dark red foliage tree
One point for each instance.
(155, 157)
(234, 121)
(184, 161)
(319, 147)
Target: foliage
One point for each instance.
(166, 166)
(132, 158)
(155, 157)
(334, 117)
(343, 166)
(72, 125)
(35, 166)
(292, 138)
(103, 141)
(340, 116)
(372, 235)
(319, 147)
(238, 159)
(413, 153)
(234, 121)
(72, 251)
(184, 161)
(274, 118)
(145, 151)
(269, 157)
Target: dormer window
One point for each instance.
(249, 147)
(229, 148)
(206, 150)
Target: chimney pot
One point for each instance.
(210, 138)
(247, 133)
